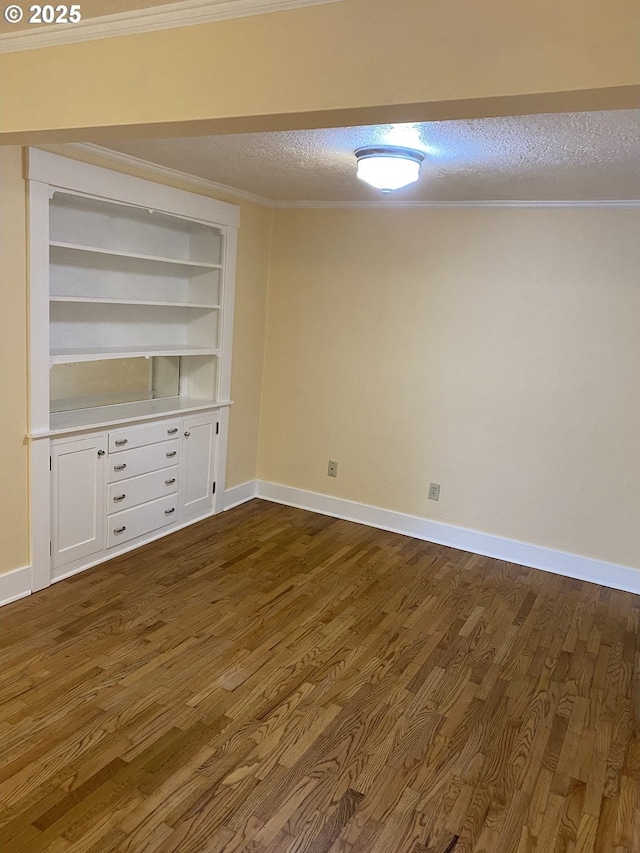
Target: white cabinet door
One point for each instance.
(198, 464)
(77, 481)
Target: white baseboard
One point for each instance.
(521, 553)
(240, 494)
(15, 584)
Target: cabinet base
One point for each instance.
(70, 569)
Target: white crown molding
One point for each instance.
(474, 541)
(184, 13)
(166, 172)
(216, 188)
(445, 205)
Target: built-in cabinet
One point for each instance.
(197, 486)
(78, 498)
(128, 485)
(131, 318)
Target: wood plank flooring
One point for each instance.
(275, 681)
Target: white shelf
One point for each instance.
(74, 354)
(99, 300)
(113, 252)
(121, 413)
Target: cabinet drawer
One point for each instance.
(138, 490)
(122, 526)
(142, 460)
(137, 436)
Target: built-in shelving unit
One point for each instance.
(131, 321)
(129, 282)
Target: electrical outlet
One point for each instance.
(434, 491)
(332, 470)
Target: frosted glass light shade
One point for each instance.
(387, 168)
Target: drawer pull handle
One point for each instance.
(120, 467)
(122, 441)
(170, 482)
(172, 453)
(118, 498)
(172, 431)
(187, 434)
(101, 453)
(120, 529)
(169, 511)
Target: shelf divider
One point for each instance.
(114, 252)
(103, 300)
(72, 355)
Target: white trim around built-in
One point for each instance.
(15, 584)
(184, 13)
(510, 550)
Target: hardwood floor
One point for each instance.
(275, 680)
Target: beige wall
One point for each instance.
(248, 342)
(493, 351)
(358, 61)
(354, 62)
(496, 352)
(14, 470)
(248, 349)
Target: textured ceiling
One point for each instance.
(555, 157)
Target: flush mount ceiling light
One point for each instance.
(387, 167)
